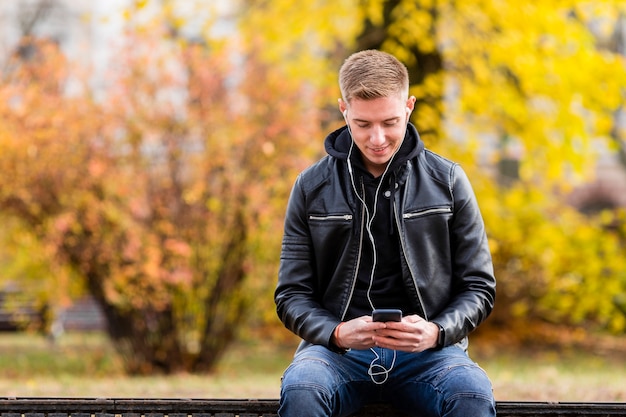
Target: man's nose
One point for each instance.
(377, 136)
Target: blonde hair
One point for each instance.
(372, 74)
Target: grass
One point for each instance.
(83, 365)
(556, 375)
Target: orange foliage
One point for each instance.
(162, 191)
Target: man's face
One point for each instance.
(378, 127)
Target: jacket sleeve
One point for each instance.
(473, 280)
(298, 293)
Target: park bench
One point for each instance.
(129, 407)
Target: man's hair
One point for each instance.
(371, 74)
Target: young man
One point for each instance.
(381, 222)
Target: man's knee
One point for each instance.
(306, 385)
(310, 371)
(468, 392)
(469, 379)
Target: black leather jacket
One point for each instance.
(445, 257)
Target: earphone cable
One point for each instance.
(375, 369)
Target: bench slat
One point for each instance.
(137, 407)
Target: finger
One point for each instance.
(414, 318)
(398, 337)
(399, 326)
(395, 344)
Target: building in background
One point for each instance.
(85, 30)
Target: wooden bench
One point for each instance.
(130, 407)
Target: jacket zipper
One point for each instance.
(358, 261)
(427, 212)
(337, 217)
(403, 246)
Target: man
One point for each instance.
(381, 222)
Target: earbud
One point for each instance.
(345, 113)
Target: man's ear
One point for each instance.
(410, 103)
(343, 108)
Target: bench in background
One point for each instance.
(135, 407)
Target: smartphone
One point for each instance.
(386, 314)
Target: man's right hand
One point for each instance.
(357, 333)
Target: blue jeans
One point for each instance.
(432, 383)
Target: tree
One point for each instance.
(160, 193)
(553, 117)
(409, 30)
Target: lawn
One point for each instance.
(82, 365)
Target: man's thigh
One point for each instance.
(429, 383)
(438, 381)
(318, 375)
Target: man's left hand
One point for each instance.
(412, 334)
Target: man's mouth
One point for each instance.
(378, 150)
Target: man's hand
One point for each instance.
(412, 334)
(357, 333)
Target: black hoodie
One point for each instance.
(384, 287)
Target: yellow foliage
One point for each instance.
(526, 81)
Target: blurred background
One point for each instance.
(147, 149)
